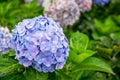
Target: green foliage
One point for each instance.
(93, 75)
(80, 60)
(93, 63)
(16, 76)
(106, 27)
(8, 66)
(31, 74)
(78, 41)
(78, 45)
(11, 12)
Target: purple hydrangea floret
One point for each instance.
(5, 40)
(40, 43)
(100, 2)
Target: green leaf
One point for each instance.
(106, 41)
(93, 63)
(32, 74)
(115, 37)
(93, 75)
(72, 55)
(106, 27)
(105, 52)
(75, 75)
(79, 41)
(116, 50)
(73, 60)
(67, 74)
(78, 57)
(17, 76)
(82, 56)
(96, 36)
(117, 18)
(11, 53)
(118, 63)
(61, 75)
(8, 66)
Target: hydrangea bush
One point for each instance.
(40, 43)
(5, 40)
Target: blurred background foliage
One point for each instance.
(95, 35)
(13, 11)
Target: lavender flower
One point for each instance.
(40, 43)
(84, 5)
(100, 2)
(66, 12)
(5, 40)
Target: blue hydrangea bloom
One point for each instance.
(40, 43)
(100, 2)
(5, 40)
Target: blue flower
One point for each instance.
(100, 2)
(5, 40)
(40, 43)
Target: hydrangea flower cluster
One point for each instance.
(100, 2)
(63, 11)
(5, 40)
(84, 5)
(40, 43)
